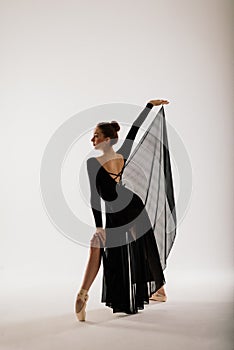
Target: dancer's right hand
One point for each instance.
(159, 102)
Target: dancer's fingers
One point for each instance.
(102, 235)
(95, 241)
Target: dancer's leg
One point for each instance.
(92, 267)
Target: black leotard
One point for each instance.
(97, 173)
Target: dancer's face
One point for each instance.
(98, 139)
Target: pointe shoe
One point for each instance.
(82, 295)
(158, 297)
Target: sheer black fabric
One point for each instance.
(140, 216)
(148, 173)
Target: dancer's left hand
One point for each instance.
(101, 233)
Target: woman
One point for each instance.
(127, 246)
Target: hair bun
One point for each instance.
(115, 125)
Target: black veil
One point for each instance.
(148, 173)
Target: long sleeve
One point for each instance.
(126, 147)
(95, 199)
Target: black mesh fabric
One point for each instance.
(148, 173)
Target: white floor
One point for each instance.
(41, 317)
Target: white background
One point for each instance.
(61, 57)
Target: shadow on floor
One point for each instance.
(206, 323)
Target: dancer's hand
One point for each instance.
(159, 102)
(101, 233)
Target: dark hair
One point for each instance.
(110, 129)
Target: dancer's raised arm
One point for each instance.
(126, 147)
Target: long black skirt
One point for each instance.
(132, 270)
